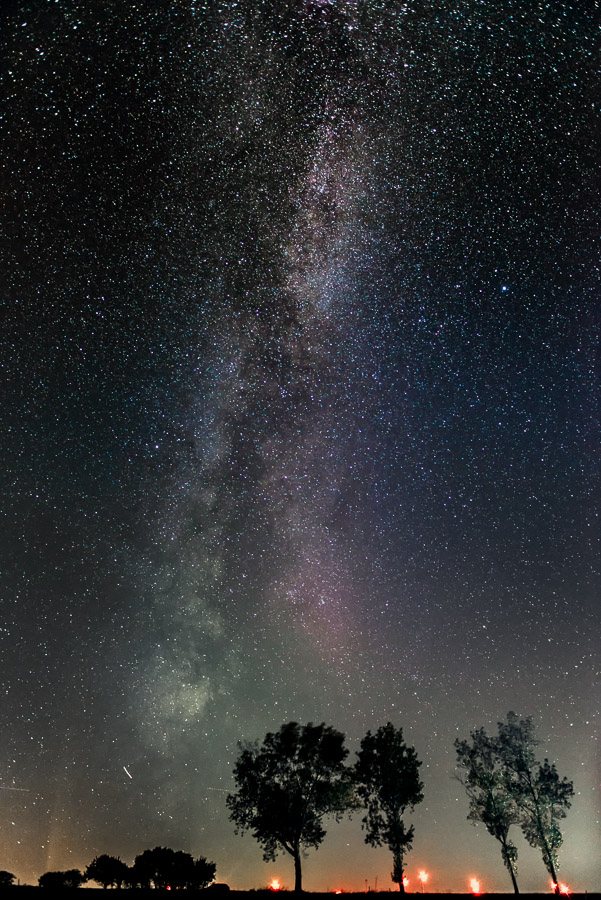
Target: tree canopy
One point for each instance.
(386, 777)
(163, 867)
(490, 800)
(506, 785)
(107, 870)
(286, 786)
(541, 796)
(71, 878)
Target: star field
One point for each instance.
(301, 411)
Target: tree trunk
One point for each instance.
(553, 875)
(548, 854)
(298, 875)
(397, 871)
(543, 838)
(509, 864)
(513, 878)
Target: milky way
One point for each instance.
(301, 421)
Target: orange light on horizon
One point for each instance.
(405, 882)
(275, 885)
(475, 885)
(338, 891)
(560, 888)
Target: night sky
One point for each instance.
(300, 418)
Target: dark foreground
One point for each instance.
(142, 894)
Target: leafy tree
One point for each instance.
(153, 867)
(287, 786)
(203, 873)
(132, 878)
(6, 879)
(72, 878)
(185, 872)
(491, 801)
(174, 868)
(106, 870)
(386, 777)
(541, 796)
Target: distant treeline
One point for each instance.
(159, 868)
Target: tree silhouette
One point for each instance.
(287, 786)
(6, 879)
(164, 868)
(72, 878)
(203, 873)
(386, 777)
(491, 801)
(107, 870)
(153, 867)
(132, 878)
(541, 796)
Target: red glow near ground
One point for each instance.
(275, 885)
(474, 886)
(405, 882)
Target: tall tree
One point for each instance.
(490, 800)
(386, 777)
(541, 796)
(286, 786)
